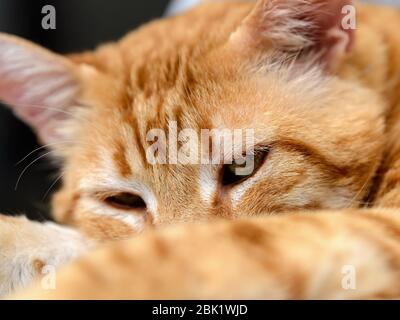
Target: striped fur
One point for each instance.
(328, 195)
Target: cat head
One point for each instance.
(146, 126)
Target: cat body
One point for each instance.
(323, 102)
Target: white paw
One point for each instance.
(31, 250)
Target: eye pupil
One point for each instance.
(230, 174)
(126, 201)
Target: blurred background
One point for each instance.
(80, 25)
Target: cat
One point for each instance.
(322, 201)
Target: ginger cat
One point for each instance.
(324, 194)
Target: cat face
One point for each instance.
(155, 128)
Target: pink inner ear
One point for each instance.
(327, 22)
(297, 25)
(38, 85)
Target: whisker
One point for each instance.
(40, 148)
(52, 185)
(28, 166)
(51, 109)
(73, 115)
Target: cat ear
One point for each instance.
(298, 26)
(38, 85)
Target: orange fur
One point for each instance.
(333, 142)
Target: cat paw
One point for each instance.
(33, 251)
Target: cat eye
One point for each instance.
(126, 201)
(231, 173)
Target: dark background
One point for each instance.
(80, 25)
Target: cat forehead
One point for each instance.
(204, 102)
(160, 53)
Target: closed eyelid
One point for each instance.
(110, 186)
